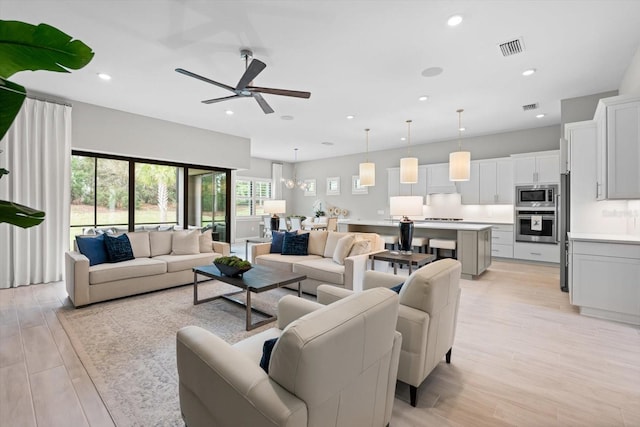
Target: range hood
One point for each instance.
(442, 189)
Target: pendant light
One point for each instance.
(459, 161)
(295, 182)
(367, 169)
(409, 165)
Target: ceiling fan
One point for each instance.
(244, 87)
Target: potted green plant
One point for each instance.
(26, 47)
(232, 266)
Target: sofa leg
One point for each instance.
(448, 356)
(413, 392)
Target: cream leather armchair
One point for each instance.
(427, 316)
(332, 365)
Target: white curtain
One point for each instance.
(37, 153)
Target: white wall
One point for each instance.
(103, 130)
(630, 83)
(367, 206)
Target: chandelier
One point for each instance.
(295, 182)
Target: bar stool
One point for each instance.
(391, 240)
(443, 244)
(421, 243)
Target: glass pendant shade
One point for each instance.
(409, 170)
(367, 174)
(460, 166)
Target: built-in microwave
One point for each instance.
(536, 196)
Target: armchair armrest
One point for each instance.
(354, 269)
(214, 376)
(377, 279)
(259, 249)
(76, 274)
(222, 248)
(328, 294)
(291, 308)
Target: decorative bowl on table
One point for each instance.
(232, 266)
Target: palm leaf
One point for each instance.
(29, 47)
(20, 215)
(11, 99)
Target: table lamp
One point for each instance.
(275, 207)
(406, 206)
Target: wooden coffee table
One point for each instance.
(417, 259)
(258, 279)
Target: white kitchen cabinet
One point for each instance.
(537, 168)
(396, 189)
(618, 154)
(605, 278)
(543, 252)
(496, 182)
(470, 190)
(438, 179)
(502, 241)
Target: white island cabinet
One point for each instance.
(604, 276)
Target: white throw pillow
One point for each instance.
(360, 247)
(206, 242)
(342, 248)
(185, 243)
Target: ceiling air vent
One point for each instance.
(511, 47)
(530, 107)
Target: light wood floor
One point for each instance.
(522, 356)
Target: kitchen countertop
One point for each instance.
(440, 225)
(605, 238)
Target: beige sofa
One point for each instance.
(154, 267)
(320, 265)
(331, 366)
(427, 316)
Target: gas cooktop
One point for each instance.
(443, 219)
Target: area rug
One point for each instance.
(128, 346)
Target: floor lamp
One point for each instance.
(406, 206)
(275, 207)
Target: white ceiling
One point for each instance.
(355, 57)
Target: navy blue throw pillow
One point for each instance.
(295, 244)
(397, 288)
(118, 248)
(267, 349)
(277, 238)
(93, 248)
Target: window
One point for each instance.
(156, 192)
(250, 196)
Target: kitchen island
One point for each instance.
(473, 240)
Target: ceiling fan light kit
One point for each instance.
(460, 161)
(244, 88)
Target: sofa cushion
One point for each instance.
(140, 244)
(343, 247)
(186, 262)
(295, 244)
(321, 269)
(185, 243)
(267, 349)
(317, 242)
(282, 262)
(160, 242)
(118, 248)
(332, 241)
(205, 241)
(93, 248)
(360, 247)
(138, 267)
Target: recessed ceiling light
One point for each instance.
(349, 117)
(539, 116)
(229, 113)
(455, 20)
(423, 98)
(403, 139)
(431, 71)
(104, 76)
(286, 117)
(529, 72)
(462, 129)
(326, 143)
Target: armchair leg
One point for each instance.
(448, 356)
(413, 392)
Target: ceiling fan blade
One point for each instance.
(255, 67)
(204, 79)
(213, 101)
(283, 92)
(263, 104)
